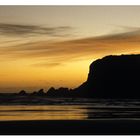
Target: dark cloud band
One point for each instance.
(18, 29)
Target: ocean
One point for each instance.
(71, 109)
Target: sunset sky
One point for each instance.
(44, 46)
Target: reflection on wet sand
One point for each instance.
(48, 112)
(69, 109)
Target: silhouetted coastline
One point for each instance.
(112, 77)
(109, 77)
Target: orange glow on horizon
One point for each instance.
(47, 46)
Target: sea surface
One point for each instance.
(72, 109)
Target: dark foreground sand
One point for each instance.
(95, 127)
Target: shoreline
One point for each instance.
(71, 127)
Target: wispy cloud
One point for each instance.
(47, 64)
(55, 54)
(133, 35)
(22, 30)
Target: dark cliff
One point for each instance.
(109, 77)
(112, 77)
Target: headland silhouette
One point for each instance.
(109, 77)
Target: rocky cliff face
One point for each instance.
(113, 77)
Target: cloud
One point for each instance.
(49, 64)
(22, 30)
(57, 53)
(130, 34)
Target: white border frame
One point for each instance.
(69, 2)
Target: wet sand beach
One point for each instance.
(71, 127)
